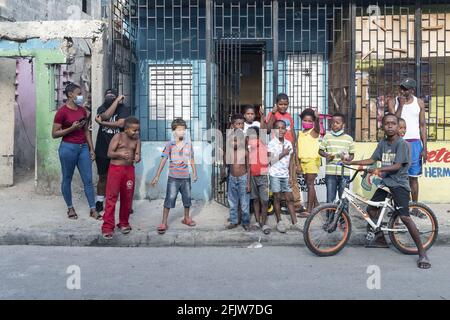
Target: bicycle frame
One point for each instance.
(384, 205)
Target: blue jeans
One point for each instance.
(73, 155)
(183, 185)
(237, 192)
(335, 184)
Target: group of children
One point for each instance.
(255, 167)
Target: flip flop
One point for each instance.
(162, 228)
(189, 222)
(423, 263)
(125, 230)
(107, 235)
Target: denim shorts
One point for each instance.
(279, 185)
(260, 188)
(175, 185)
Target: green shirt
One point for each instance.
(335, 145)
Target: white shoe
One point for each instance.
(280, 227)
(298, 226)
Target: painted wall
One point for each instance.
(44, 53)
(434, 185)
(25, 115)
(151, 156)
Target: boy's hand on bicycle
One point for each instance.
(374, 171)
(329, 157)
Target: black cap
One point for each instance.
(408, 83)
(111, 91)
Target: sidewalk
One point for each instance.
(32, 219)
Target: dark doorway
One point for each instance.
(239, 82)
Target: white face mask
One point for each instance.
(79, 100)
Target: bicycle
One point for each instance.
(328, 228)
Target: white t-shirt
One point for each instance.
(279, 169)
(254, 124)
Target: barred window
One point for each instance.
(170, 91)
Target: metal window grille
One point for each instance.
(170, 92)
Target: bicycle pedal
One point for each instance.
(370, 236)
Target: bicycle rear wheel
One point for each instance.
(327, 231)
(426, 223)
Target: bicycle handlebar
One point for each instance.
(351, 168)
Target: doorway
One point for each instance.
(239, 82)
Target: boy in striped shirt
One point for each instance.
(180, 154)
(336, 146)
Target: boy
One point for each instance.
(280, 151)
(336, 146)
(401, 127)
(180, 153)
(395, 158)
(279, 112)
(259, 179)
(124, 150)
(237, 160)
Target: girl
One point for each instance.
(76, 149)
(308, 153)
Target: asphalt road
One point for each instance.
(28, 272)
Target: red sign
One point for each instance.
(439, 155)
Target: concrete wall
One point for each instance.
(51, 47)
(47, 10)
(25, 115)
(7, 98)
(151, 156)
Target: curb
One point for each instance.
(174, 237)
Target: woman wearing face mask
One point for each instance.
(76, 149)
(308, 153)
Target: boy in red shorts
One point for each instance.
(124, 150)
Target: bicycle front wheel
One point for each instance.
(326, 230)
(426, 223)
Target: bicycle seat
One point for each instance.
(385, 189)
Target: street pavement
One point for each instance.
(35, 272)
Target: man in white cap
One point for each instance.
(412, 110)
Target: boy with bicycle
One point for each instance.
(393, 152)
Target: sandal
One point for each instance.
(107, 235)
(189, 222)
(162, 228)
(94, 214)
(71, 214)
(423, 263)
(125, 230)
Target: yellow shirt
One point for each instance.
(308, 146)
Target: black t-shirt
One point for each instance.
(105, 134)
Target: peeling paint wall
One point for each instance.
(32, 10)
(80, 46)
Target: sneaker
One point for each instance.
(280, 227)
(416, 213)
(256, 226)
(99, 206)
(266, 229)
(298, 226)
(231, 226)
(246, 227)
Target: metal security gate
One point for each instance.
(124, 16)
(228, 82)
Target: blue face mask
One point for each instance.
(79, 100)
(337, 134)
